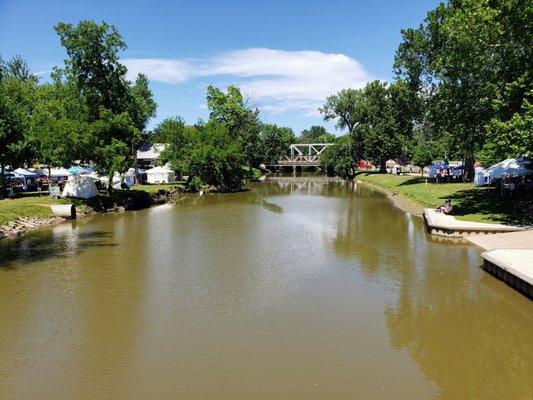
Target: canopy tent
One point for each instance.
(59, 172)
(512, 167)
(435, 167)
(24, 173)
(38, 171)
(160, 175)
(81, 186)
(128, 178)
(81, 170)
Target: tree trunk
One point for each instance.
(49, 177)
(110, 184)
(469, 166)
(3, 180)
(383, 167)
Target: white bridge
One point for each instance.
(303, 155)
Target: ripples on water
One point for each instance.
(296, 289)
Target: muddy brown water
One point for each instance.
(297, 289)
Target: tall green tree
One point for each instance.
(470, 62)
(117, 112)
(346, 108)
(316, 134)
(242, 121)
(17, 91)
(275, 142)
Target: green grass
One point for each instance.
(155, 188)
(469, 202)
(35, 206)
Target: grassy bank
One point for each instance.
(470, 203)
(37, 205)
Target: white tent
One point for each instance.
(511, 166)
(25, 173)
(160, 175)
(59, 172)
(38, 171)
(81, 186)
(128, 178)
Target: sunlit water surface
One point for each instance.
(296, 289)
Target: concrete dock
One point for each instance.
(509, 257)
(446, 225)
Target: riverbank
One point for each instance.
(21, 214)
(470, 203)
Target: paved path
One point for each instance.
(447, 225)
(509, 240)
(518, 262)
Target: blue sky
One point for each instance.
(287, 56)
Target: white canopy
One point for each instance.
(59, 172)
(160, 175)
(38, 171)
(81, 186)
(511, 167)
(25, 173)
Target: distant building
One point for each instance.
(148, 154)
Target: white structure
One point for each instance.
(81, 186)
(512, 167)
(24, 173)
(148, 154)
(59, 172)
(128, 178)
(160, 175)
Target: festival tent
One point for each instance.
(512, 166)
(81, 186)
(59, 172)
(160, 175)
(38, 171)
(80, 169)
(24, 173)
(435, 167)
(128, 178)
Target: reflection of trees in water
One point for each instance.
(463, 336)
(468, 340)
(372, 231)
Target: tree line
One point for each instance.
(89, 112)
(462, 90)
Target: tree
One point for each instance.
(17, 89)
(316, 134)
(470, 64)
(180, 141)
(346, 108)
(275, 142)
(117, 112)
(422, 155)
(58, 123)
(242, 122)
(337, 160)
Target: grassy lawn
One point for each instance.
(34, 206)
(37, 205)
(469, 202)
(155, 188)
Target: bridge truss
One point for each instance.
(303, 155)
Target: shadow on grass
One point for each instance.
(504, 209)
(40, 246)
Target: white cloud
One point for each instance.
(277, 80)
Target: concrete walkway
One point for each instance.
(446, 225)
(509, 240)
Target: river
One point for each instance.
(296, 289)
